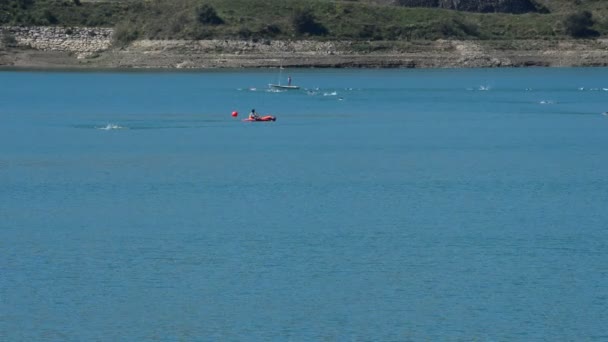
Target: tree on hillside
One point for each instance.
(206, 14)
(579, 25)
(25, 3)
(304, 22)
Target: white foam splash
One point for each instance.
(110, 127)
(592, 89)
(480, 88)
(333, 93)
(547, 102)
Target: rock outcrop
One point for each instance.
(484, 6)
(83, 41)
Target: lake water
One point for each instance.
(385, 205)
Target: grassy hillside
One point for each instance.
(64, 12)
(295, 19)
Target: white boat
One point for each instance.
(288, 87)
(281, 86)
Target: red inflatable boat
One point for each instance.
(262, 118)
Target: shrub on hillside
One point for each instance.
(244, 32)
(25, 3)
(482, 6)
(49, 17)
(8, 40)
(199, 32)
(271, 30)
(304, 22)
(124, 34)
(457, 28)
(176, 24)
(207, 15)
(371, 32)
(579, 25)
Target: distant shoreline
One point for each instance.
(43, 48)
(117, 60)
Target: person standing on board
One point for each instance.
(289, 80)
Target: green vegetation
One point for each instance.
(306, 19)
(579, 25)
(305, 22)
(8, 40)
(63, 12)
(206, 15)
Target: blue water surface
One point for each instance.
(384, 205)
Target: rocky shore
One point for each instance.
(91, 48)
(81, 41)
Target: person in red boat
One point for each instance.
(253, 115)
